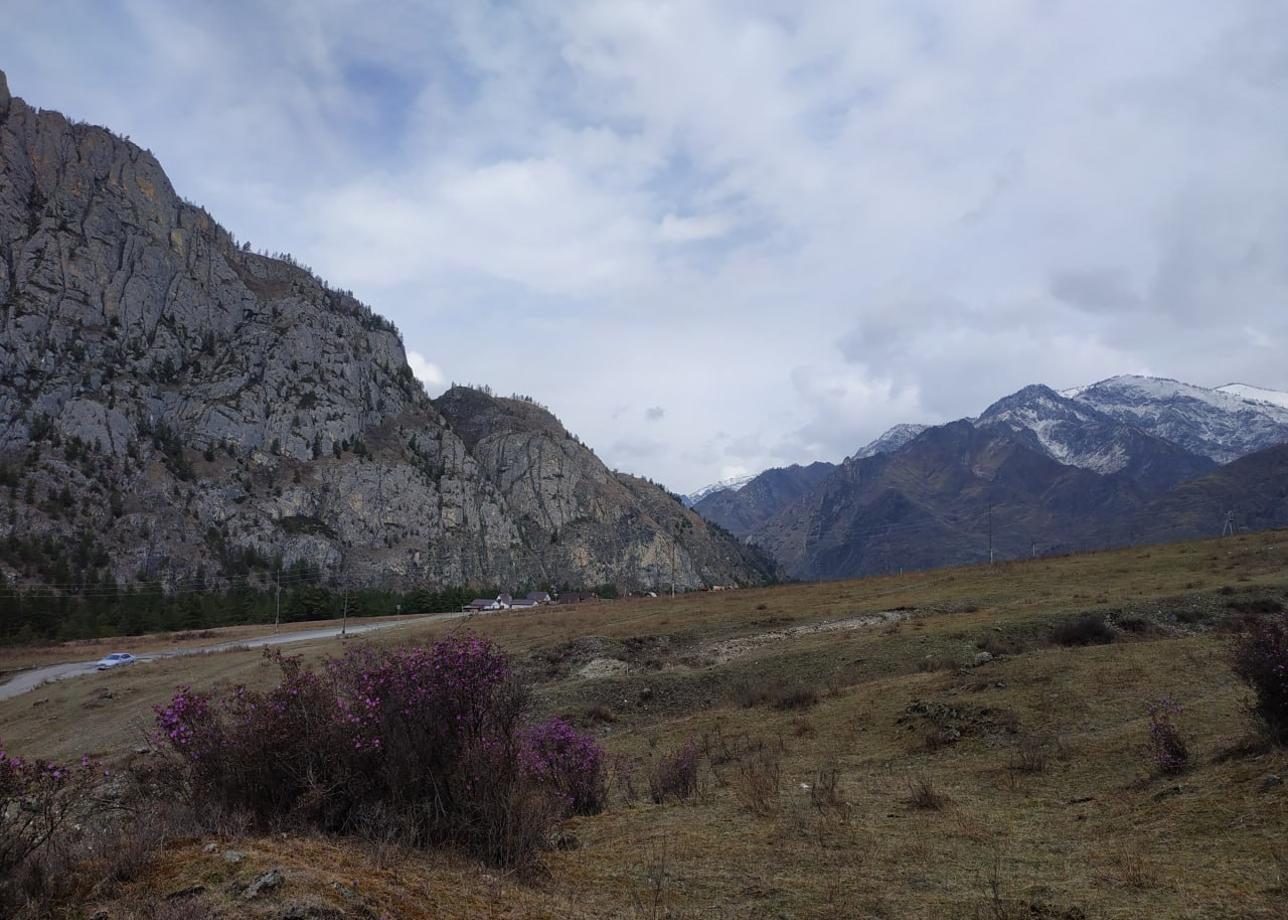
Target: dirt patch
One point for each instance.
(602, 667)
(945, 725)
(729, 649)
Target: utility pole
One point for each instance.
(1228, 529)
(990, 532)
(344, 616)
(277, 617)
(674, 540)
(344, 612)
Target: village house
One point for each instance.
(508, 602)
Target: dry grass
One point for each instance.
(816, 822)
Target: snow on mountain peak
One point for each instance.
(1256, 394)
(1223, 424)
(891, 440)
(724, 485)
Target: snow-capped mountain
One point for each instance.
(724, 485)
(1256, 394)
(1124, 460)
(892, 440)
(1222, 424)
(1075, 433)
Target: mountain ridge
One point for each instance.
(1057, 471)
(175, 406)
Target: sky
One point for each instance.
(714, 236)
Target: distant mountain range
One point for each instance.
(1126, 459)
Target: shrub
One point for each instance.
(567, 761)
(1086, 630)
(758, 781)
(1030, 758)
(1167, 748)
(38, 801)
(778, 693)
(795, 696)
(675, 774)
(1261, 660)
(426, 745)
(923, 795)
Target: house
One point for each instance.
(539, 597)
(577, 597)
(487, 603)
(523, 603)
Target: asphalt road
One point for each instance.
(24, 681)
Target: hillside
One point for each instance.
(922, 746)
(174, 405)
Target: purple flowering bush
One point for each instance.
(426, 744)
(568, 761)
(1261, 660)
(37, 800)
(1167, 747)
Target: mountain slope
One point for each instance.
(1074, 433)
(1255, 394)
(1219, 424)
(742, 511)
(582, 521)
(173, 405)
(724, 485)
(891, 440)
(934, 503)
(1253, 490)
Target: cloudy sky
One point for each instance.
(716, 237)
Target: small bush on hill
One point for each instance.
(569, 762)
(923, 795)
(1167, 747)
(758, 779)
(426, 744)
(1085, 630)
(778, 693)
(1261, 660)
(675, 774)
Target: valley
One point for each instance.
(972, 760)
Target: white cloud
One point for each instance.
(796, 224)
(427, 373)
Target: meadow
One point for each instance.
(970, 742)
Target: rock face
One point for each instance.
(173, 403)
(576, 515)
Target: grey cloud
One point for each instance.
(1098, 290)
(894, 229)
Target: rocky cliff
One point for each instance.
(576, 515)
(173, 404)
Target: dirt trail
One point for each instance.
(729, 649)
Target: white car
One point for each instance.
(115, 660)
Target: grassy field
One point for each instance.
(912, 746)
